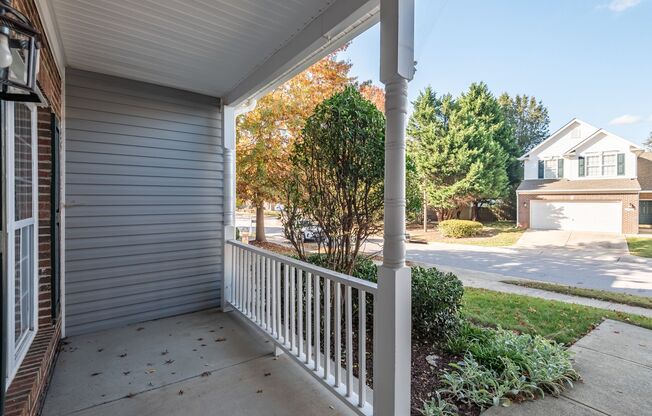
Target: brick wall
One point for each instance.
(630, 216)
(49, 79)
(27, 390)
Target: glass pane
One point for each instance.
(23, 161)
(24, 282)
(609, 170)
(609, 159)
(593, 171)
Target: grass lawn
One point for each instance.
(562, 322)
(624, 298)
(494, 234)
(640, 246)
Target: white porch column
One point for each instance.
(228, 130)
(392, 309)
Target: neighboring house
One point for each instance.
(118, 179)
(584, 178)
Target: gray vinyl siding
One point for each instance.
(144, 202)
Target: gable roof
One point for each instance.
(595, 134)
(557, 134)
(550, 138)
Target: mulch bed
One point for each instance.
(425, 377)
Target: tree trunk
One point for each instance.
(475, 211)
(425, 212)
(260, 223)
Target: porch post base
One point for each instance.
(392, 342)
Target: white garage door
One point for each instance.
(577, 216)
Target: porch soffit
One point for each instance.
(222, 48)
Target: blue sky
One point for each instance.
(582, 58)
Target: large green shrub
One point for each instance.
(436, 303)
(459, 228)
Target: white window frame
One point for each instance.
(555, 169)
(16, 354)
(601, 165)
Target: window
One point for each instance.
(550, 168)
(593, 165)
(19, 123)
(609, 164)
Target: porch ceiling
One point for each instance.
(223, 48)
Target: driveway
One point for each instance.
(592, 260)
(598, 244)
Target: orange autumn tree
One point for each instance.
(264, 136)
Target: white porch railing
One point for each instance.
(309, 312)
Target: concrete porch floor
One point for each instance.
(204, 363)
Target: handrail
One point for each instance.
(316, 315)
(355, 282)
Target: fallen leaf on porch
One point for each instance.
(200, 339)
(203, 345)
(220, 340)
(180, 392)
(140, 328)
(150, 370)
(616, 332)
(123, 355)
(168, 362)
(268, 374)
(164, 352)
(95, 374)
(100, 349)
(126, 373)
(206, 374)
(150, 384)
(259, 391)
(130, 395)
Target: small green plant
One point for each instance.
(460, 228)
(500, 366)
(439, 407)
(436, 303)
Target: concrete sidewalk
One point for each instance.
(615, 362)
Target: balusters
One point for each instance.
(327, 328)
(300, 311)
(349, 341)
(338, 334)
(362, 347)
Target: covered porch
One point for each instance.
(149, 257)
(201, 363)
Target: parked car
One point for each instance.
(311, 232)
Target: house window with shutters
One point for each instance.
(550, 168)
(609, 164)
(593, 165)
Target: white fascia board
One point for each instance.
(46, 12)
(339, 23)
(551, 137)
(632, 146)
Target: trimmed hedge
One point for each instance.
(460, 228)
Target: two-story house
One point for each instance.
(584, 178)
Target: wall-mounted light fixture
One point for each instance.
(19, 55)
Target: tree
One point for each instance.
(337, 177)
(648, 142)
(458, 147)
(265, 135)
(529, 119)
